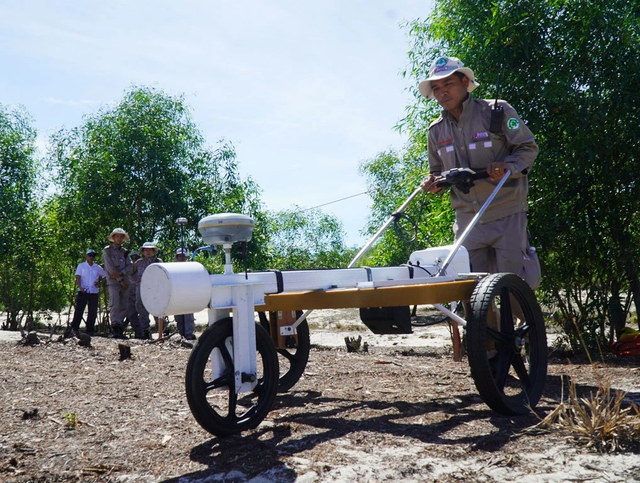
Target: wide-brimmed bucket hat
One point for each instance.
(444, 67)
(118, 231)
(149, 245)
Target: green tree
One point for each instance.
(308, 239)
(569, 68)
(140, 165)
(426, 222)
(24, 277)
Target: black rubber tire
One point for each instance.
(292, 361)
(511, 382)
(220, 415)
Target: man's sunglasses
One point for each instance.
(91, 254)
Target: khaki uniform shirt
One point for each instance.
(140, 266)
(467, 143)
(115, 261)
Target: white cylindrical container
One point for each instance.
(175, 288)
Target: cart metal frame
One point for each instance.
(233, 373)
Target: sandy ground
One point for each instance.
(402, 412)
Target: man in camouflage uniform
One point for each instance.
(461, 138)
(116, 263)
(149, 252)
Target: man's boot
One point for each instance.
(118, 332)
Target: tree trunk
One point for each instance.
(634, 283)
(617, 316)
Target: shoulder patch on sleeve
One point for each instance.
(513, 124)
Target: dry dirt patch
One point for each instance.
(404, 411)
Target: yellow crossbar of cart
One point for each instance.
(419, 294)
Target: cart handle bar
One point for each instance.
(443, 269)
(460, 178)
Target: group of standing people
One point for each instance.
(123, 272)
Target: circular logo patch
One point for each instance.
(513, 123)
(441, 61)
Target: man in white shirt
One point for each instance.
(87, 276)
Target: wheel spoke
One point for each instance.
(500, 338)
(288, 355)
(217, 383)
(502, 363)
(506, 314)
(259, 389)
(522, 331)
(233, 404)
(517, 362)
(226, 379)
(226, 355)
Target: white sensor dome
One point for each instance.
(226, 228)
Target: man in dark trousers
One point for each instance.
(149, 253)
(88, 274)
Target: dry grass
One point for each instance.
(602, 420)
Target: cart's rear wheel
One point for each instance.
(292, 360)
(213, 401)
(507, 344)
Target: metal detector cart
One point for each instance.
(234, 373)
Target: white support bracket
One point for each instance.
(241, 297)
(244, 338)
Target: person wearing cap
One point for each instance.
(149, 251)
(88, 274)
(186, 322)
(462, 137)
(116, 264)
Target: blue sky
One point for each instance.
(304, 90)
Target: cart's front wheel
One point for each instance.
(213, 399)
(507, 344)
